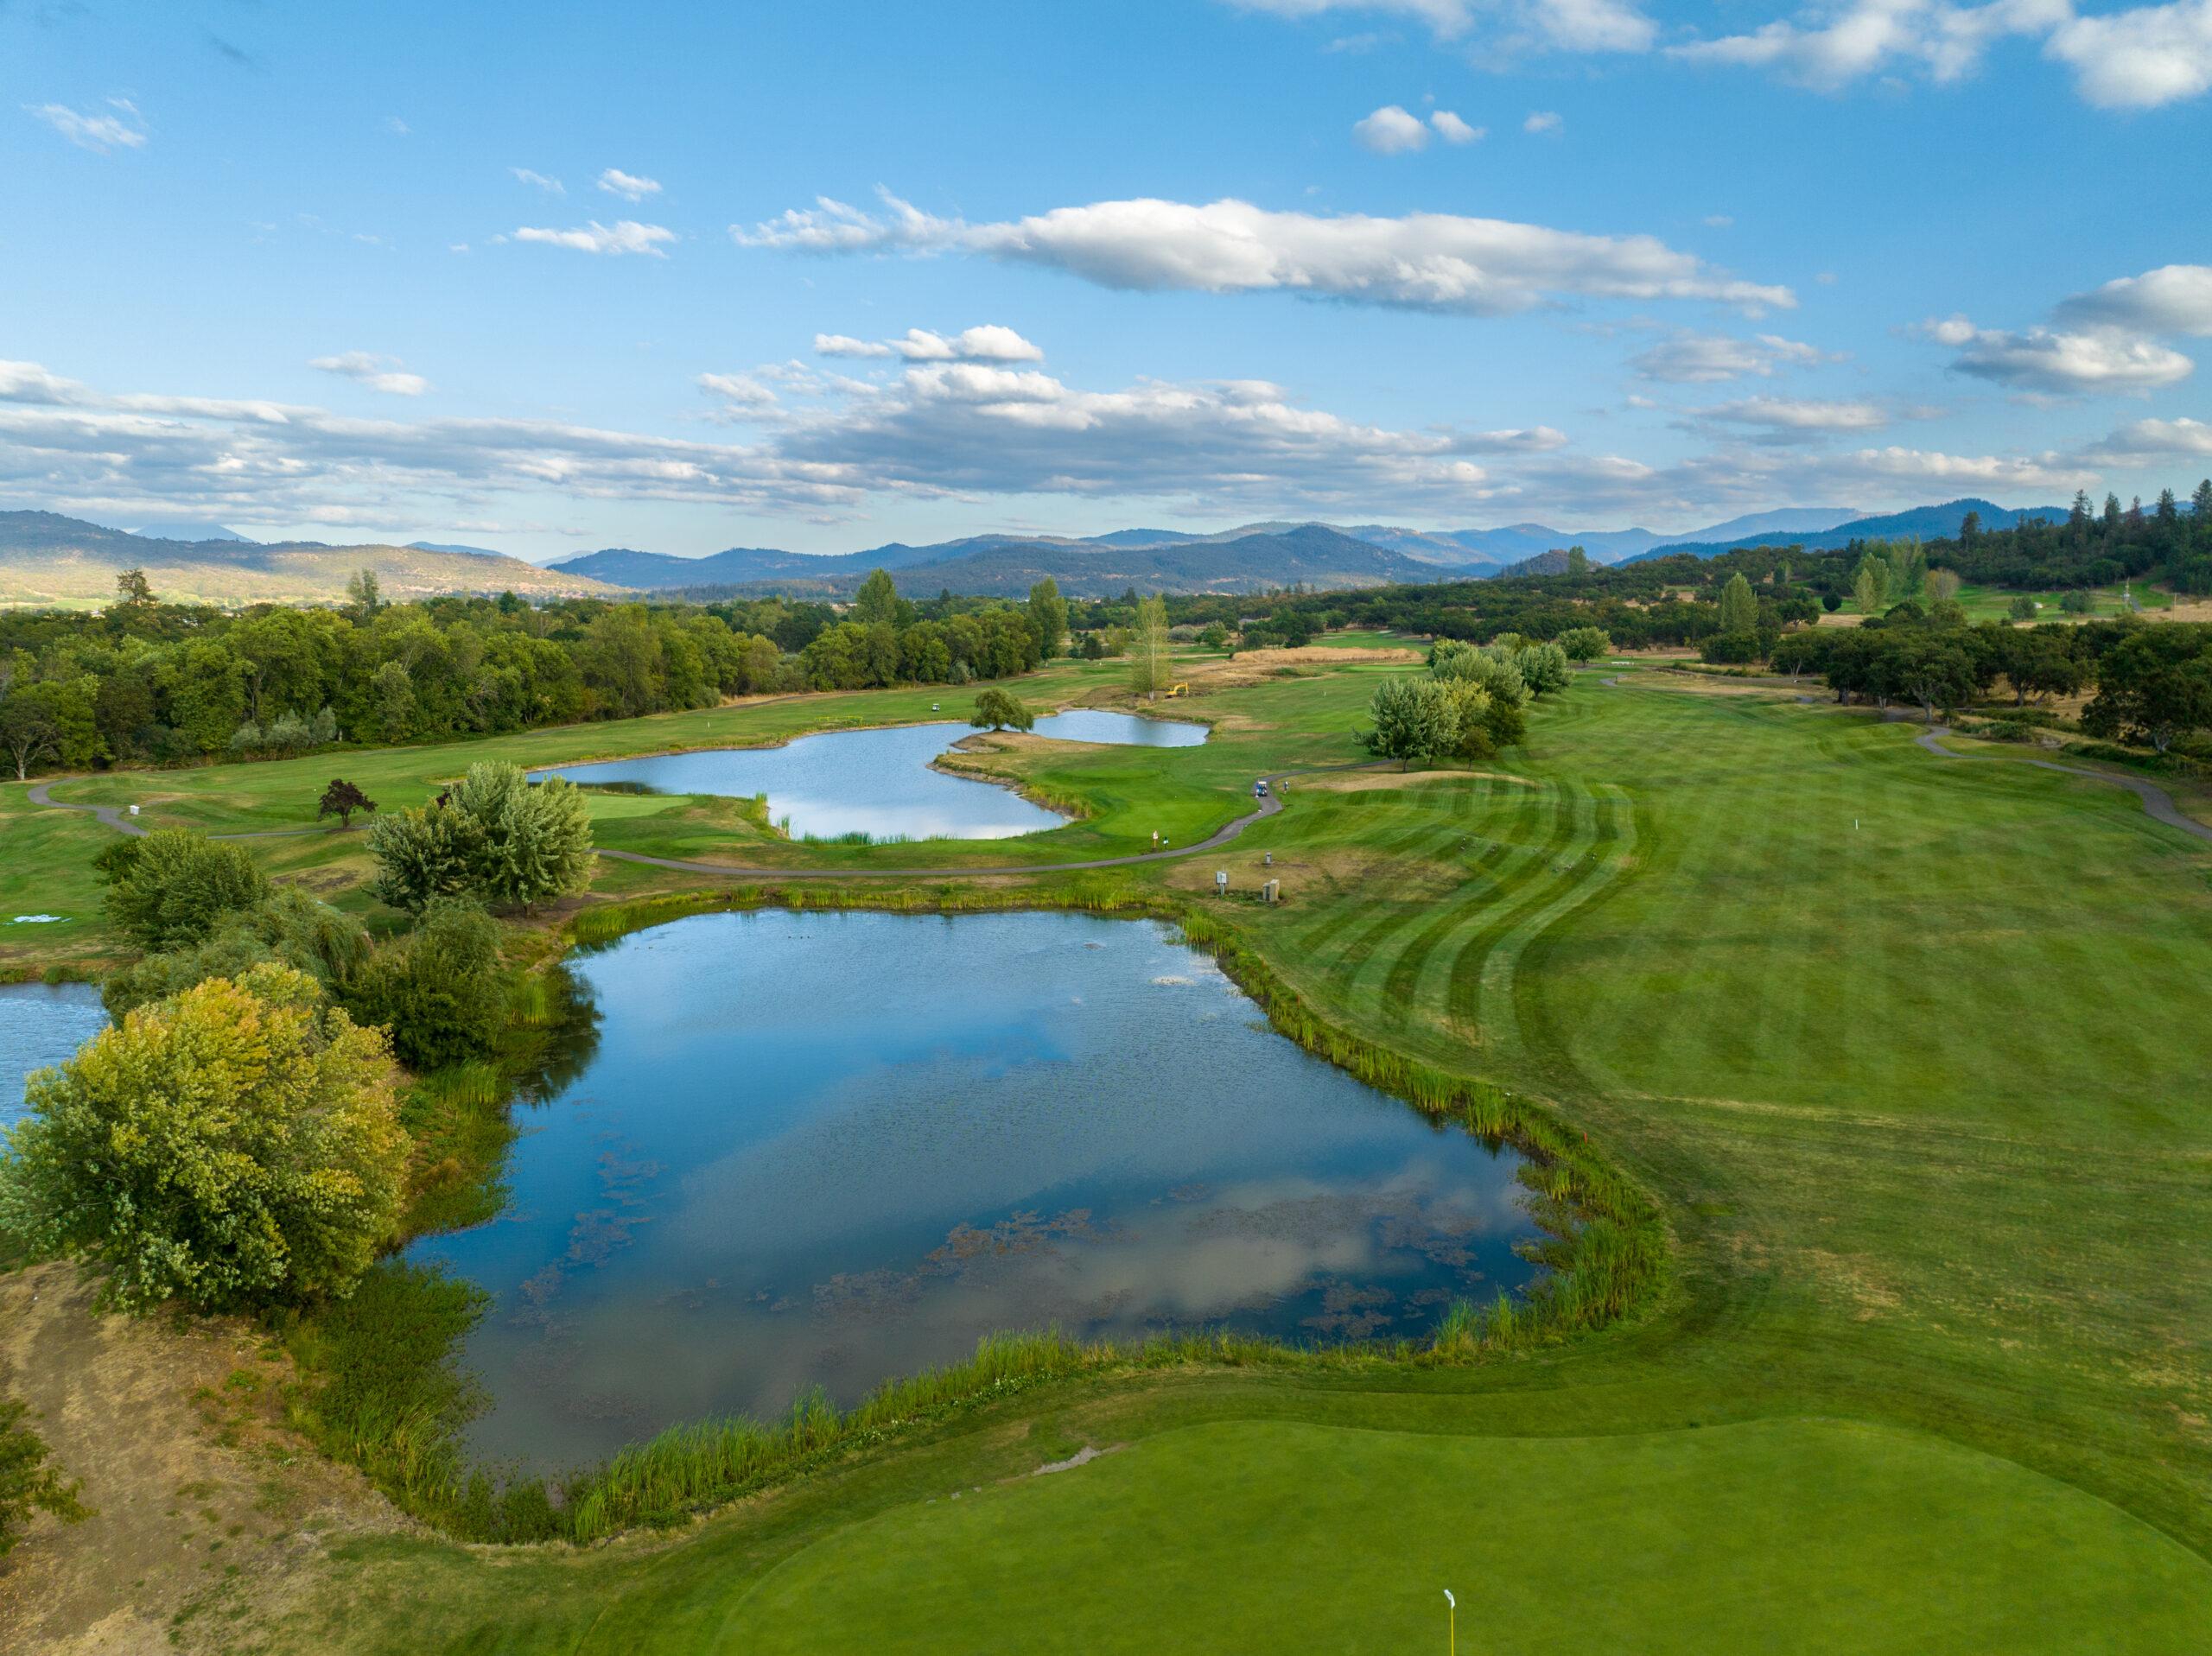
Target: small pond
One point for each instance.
(41, 1024)
(817, 1149)
(877, 781)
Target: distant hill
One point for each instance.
(1516, 542)
(1929, 523)
(186, 529)
(1008, 565)
(45, 558)
(465, 551)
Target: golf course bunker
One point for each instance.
(877, 781)
(827, 1149)
(41, 1024)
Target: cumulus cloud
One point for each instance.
(1390, 131)
(1452, 129)
(2101, 340)
(985, 343)
(843, 345)
(1425, 261)
(2158, 440)
(103, 134)
(1799, 416)
(1505, 26)
(615, 181)
(627, 237)
(737, 392)
(1543, 120)
(2135, 58)
(378, 373)
(1688, 358)
(550, 186)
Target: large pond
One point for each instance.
(877, 781)
(821, 1149)
(41, 1024)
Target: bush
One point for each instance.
(290, 929)
(1585, 643)
(176, 888)
(236, 1145)
(27, 1482)
(421, 855)
(996, 710)
(440, 991)
(1731, 649)
(493, 836)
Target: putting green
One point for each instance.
(1782, 1535)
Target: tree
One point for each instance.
(179, 887)
(1934, 671)
(27, 1482)
(2022, 608)
(1870, 585)
(1739, 608)
(132, 591)
(1585, 643)
(290, 929)
(1543, 667)
(1578, 560)
(363, 593)
(1414, 718)
(532, 842)
(422, 854)
(1944, 584)
(1048, 613)
(395, 701)
(2040, 661)
(28, 729)
(2152, 686)
(440, 991)
(235, 1146)
(996, 710)
(341, 799)
(1148, 663)
(877, 600)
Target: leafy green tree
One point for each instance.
(1944, 584)
(236, 1145)
(1933, 670)
(1149, 667)
(1543, 668)
(364, 596)
(27, 1482)
(1048, 614)
(424, 853)
(29, 729)
(532, 842)
(996, 710)
(179, 887)
(439, 991)
(1471, 713)
(341, 799)
(1214, 636)
(1414, 718)
(1495, 669)
(2040, 661)
(395, 706)
(877, 600)
(1739, 608)
(1585, 644)
(1578, 560)
(1871, 585)
(2152, 686)
(2022, 608)
(2080, 601)
(289, 929)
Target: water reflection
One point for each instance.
(830, 1148)
(877, 781)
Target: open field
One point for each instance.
(1910, 1049)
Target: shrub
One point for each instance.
(1585, 643)
(179, 886)
(27, 1482)
(439, 991)
(535, 841)
(996, 710)
(238, 1144)
(290, 929)
(421, 855)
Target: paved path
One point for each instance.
(2155, 799)
(1269, 805)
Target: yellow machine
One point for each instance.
(1179, 689)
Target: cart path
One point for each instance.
(1270, 804)
(2156, 800)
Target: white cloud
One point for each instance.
(989, 343)
(1799, 414)
(2136, 58)
(2154, 439)
(1717, 221)
(2172, 299)
(1480, 266)
(550, 186)
(615, 181)
(739, 390)
(1542, 120)
(1390, 131)
(397, 128)
(627, 237)
(378, 373)
(1452, 129)
(104, 134)
(1693, 358)
(1509, 26)
(2139, 58)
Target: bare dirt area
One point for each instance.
(1258, 666)
(209, 1512)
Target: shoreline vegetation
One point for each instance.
(382, 1390)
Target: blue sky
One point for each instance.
(682, 277)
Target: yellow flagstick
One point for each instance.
(1452, 1623)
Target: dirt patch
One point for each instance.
(1252, 666)
(1360, 782)
(207, 1503)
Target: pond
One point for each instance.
(827, 1149)
(41, 1024)
(878, 781)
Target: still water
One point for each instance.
(878, 781)
(827, 1149)
(41, 1024)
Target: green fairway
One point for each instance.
(1910, 1049)
(1855, 1538)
